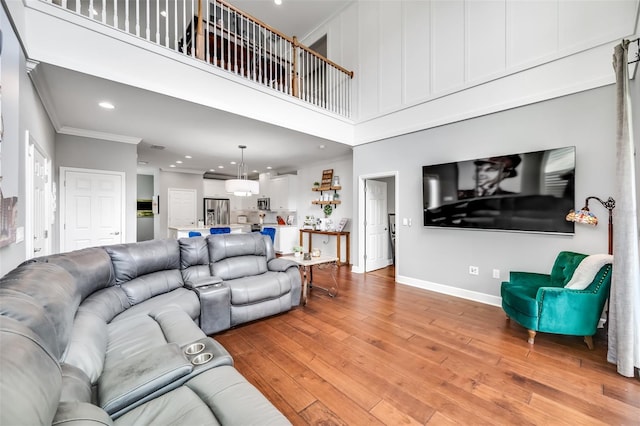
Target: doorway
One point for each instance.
(91, 208)
(39, 201)
(376, 205)
(181, 208)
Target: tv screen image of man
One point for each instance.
(489, 174)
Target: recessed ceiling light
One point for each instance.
(172, 165)
(179, 162)
(321, 146)
(212, 170)
(163, 13)
(106, 105)
(254, 171)
(278, 2)
(233, 162)
(188, 156)
(221, 167)
(269, 167)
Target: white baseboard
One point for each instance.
(451, 291)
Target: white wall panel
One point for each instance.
(532, 31)
(390, 59)
(349, 22)
(368, 58)
(416, 50)
(447, 45)
(485, 38)
(585, 23)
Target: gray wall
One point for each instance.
(21, 110)
(96, 154)
(442, 256)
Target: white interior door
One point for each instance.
(92, 211)
(41, 206)
(377, 231)
(181, 208)
(38, 201)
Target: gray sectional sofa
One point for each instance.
(105, 335)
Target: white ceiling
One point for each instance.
(292, 17)
(210, 136)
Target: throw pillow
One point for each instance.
(587, 270)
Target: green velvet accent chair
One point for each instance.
(539, 302)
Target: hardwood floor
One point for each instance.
(385, 353)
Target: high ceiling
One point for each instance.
(292, 17)
(211, 137)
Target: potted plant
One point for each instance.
(297, 251)
(336, 196)
(316, 184)
(328, 209)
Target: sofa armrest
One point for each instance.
(202, 282)
(567, 311)
(529, 279)
(80, 413)
(280, 265)
(140, 375)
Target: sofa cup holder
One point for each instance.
(194, 348)
(202, 358)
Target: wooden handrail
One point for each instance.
(292, 40)
(322, 58)
(254, 19)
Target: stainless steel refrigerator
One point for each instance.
(216, 211)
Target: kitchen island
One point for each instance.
(183, 231)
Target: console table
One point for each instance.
(338, 236)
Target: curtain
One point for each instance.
(624, 309)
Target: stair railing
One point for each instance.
(230, 39)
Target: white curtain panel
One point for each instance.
(624, 310)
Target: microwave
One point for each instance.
(264, 204)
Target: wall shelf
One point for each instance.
(335, 202)
(326, 188)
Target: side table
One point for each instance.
(337, 234)
(307, 273)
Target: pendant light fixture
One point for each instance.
(242, 186)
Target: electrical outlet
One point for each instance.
(496, 273)
(474, 270)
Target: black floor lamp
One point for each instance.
(584, 215)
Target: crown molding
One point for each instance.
(40, 84)
(177, 170)
(73, 131)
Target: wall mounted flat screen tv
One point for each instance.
(531, 192)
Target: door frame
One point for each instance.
(63, 199)
(30, 146)
(375, 264)
(361, 268)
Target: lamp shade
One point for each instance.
(242, 187)
(582, 216)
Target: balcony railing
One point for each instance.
(230, 39)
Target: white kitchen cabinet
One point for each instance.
(282, 191)
(287, 237)
(214, 188)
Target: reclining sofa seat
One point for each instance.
(69, 344)
(238, 278)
